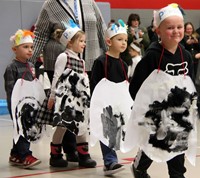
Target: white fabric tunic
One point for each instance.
(110, 109)
(164, 113)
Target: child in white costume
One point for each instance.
(164, 114)
(135, 53)
(70, 84)
(22, 103)
(110, 98)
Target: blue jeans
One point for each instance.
(109, 155)
(21, 148)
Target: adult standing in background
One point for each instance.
(191, 41)
(53, 15)
(136, 34)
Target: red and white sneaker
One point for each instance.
(15, 160)
(30, 161)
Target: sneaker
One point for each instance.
(72, 157)
(30, 161)
(15, 160)
(139, 174)
(112, 168)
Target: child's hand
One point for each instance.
(196, 40)
(141, 33)
(50, 103)
(132, 31)
(197, 56)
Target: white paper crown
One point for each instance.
(136, 48)
(170, 10)
(71, 30)
(21, 37)
(115, 29)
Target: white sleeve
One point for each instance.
(58, 70)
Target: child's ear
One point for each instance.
(14, 49)
(69, 43)
(108, 41)
(157, 31)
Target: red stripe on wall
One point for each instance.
(151, 4)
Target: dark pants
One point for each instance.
(109, 155)
(38, 71)
(69, 139)
(176, 168)
(21, 148)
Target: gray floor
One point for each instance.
(41, 151)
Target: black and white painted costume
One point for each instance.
(70, 89)
(111, 103)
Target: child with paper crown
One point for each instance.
(110, 98)
(135, 53)
(17, 75)
(161, 85)
(70, 93)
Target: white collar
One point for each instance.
(72, 54)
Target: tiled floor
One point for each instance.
(41, 150)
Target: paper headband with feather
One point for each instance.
(21, 37)
(115, 29)
(71, 29)
(170, 10)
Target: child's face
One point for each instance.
(132, 52)
(118, 43)
(79, 45)
(171, 30)
(23, 51)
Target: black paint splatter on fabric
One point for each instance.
(74, 94)
(168, 120)
(113, 127)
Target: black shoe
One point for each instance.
(87, 161)
(58, 161)
(112, 168)
(139, 174)
(72, 157)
